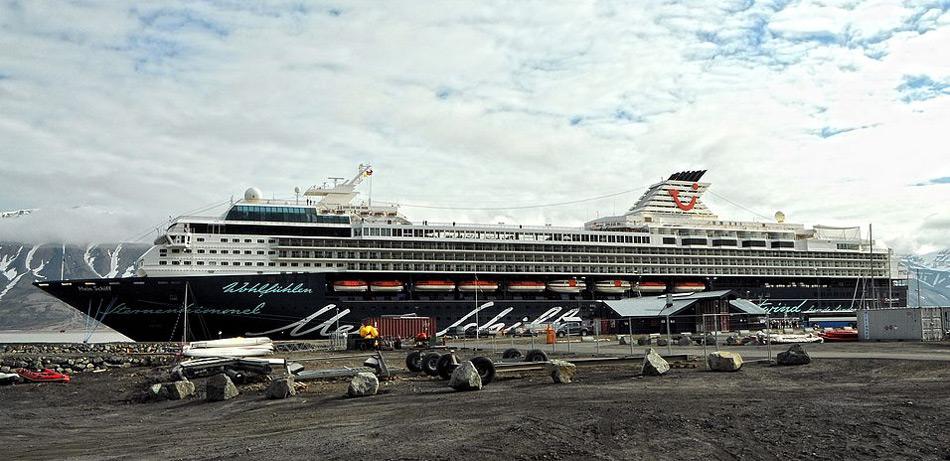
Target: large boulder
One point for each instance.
(465, 378)
(562, 372)
(176, 390)
(220, 387)
(724, 361)
(795, 355)
(281, 388)
(683, 341)
(363, 384)
(653, 364)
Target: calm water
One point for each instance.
(57, 337)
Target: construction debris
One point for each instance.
(795, 355)
(219, 387)
(653, 364)
(465, 378)
(724, 361)
(562, 372)
(362, 385)
(281, 388)
(176, 390)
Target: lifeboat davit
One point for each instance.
(385, 286)
(526, 286)
(570, 286)
(479, 285)
(651, 287)
(350, 286)
(688, 287)
(612, 286)
(435, 285)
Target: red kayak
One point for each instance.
(839, 335)
(45, 376)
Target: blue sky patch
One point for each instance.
(935, 181)
(922, 88)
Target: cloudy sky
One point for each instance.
(114, 116)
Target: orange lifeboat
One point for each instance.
(612, 286)
(570, 286)
(385, 286)
(651, 287)
(526, 286)
(478, 285)
(688, 287)
(435, 285)
(350, 286)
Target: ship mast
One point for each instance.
(184, 324)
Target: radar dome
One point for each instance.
(252, 194)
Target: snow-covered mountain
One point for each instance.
(23, 306)
(15, 213)
(933, 270)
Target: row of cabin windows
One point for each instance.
(225, 240)
(517, 268)
(247, 263)
(471, 234)
(224, 252)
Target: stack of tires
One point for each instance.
(434, 364)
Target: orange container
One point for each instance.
(552, 338)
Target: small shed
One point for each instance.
(687, 312)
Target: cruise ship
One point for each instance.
(324, 261)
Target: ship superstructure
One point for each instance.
(669, 232)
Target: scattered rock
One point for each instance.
(178, 390)
(220, 387)
(465, 378)
(281, 388)
(155, 391)
(710, 340)
(724, 361)
(653, 364)
(795, 355)
(643, 341)
(683, 341)
(588, 339)
(624, 340)
(662, 342)
(562, 372)
(732, 341)
(364, 384)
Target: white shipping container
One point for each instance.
(901, 324)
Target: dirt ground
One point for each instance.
(841, 409)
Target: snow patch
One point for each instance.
(91, 260)
(114, 262)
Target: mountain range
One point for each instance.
(24, 307)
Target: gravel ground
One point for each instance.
(844, 409)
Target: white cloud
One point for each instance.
(156, 109)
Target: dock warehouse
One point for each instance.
(687, 313)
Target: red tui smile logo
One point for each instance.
(675, 193)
